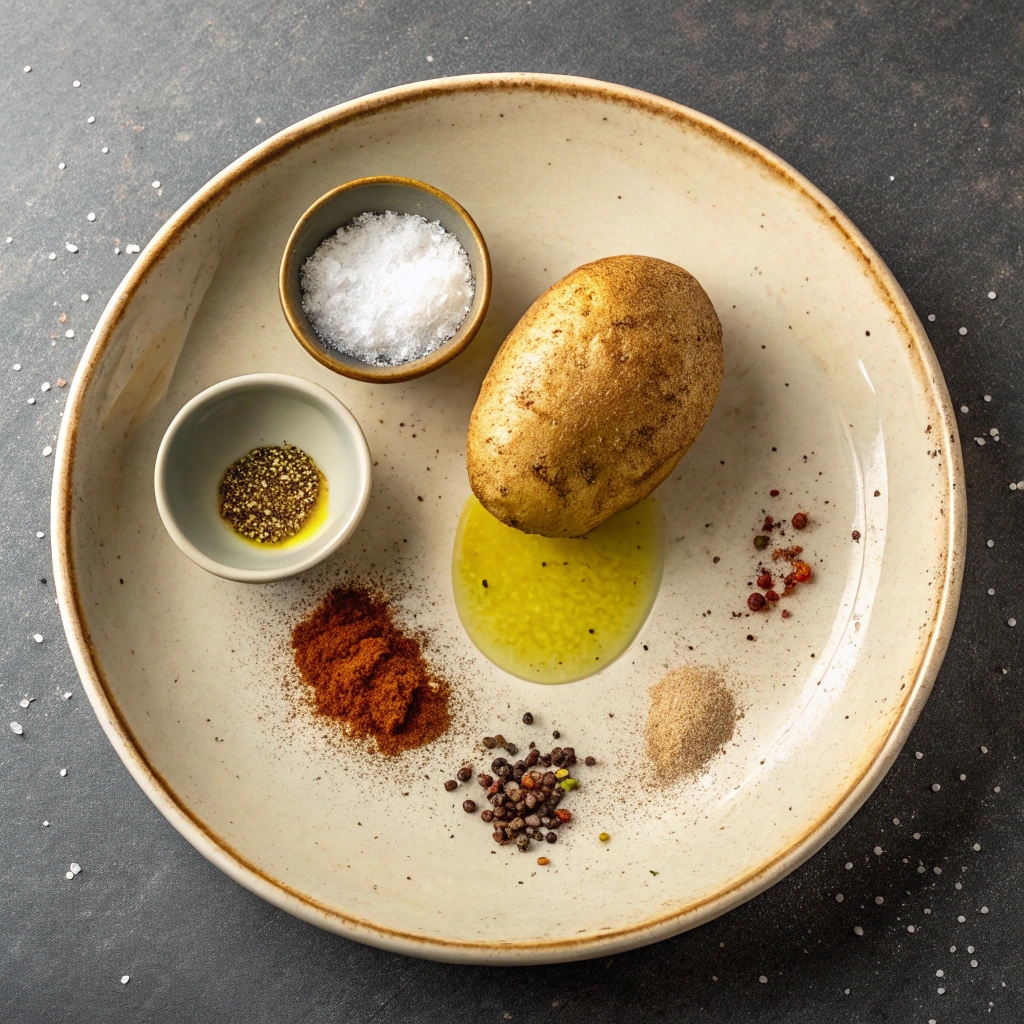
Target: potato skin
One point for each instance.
(595, 395)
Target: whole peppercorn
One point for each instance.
(756, 602)
(485, 780)
(786, 613)
(499, 740)
(469, 806)
(771, 596)
(488, 742)
(450, 785)
(590, 761)
(527, 718)
(487, 814)
(556, 734)
(774, 493)
(760, 542)
(855, 535)
(764, 581)
(465, 773)
(799, 520)
(512, 749)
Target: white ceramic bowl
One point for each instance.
(231, 418)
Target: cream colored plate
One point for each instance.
(831, 393)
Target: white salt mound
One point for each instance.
(387, 288)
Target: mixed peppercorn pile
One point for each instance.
(524, 795)
(792, 572)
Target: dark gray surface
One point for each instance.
(851, 94)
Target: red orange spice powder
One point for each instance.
(368, 674)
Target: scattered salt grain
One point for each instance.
(991, 593)
(917, 835)
(388, 288)
(911, 929)
(848, 865)
(63, 772)
(17, 366)
(69, 875)
(156, 184)
(761, 978)
(69, 333)
(66, 695)
(857, 930)
(994, 432)
(45, 386)
(104, 149)
(24, 702)
(964, 408)
(90, 120)
(1011, 622)
(931, 316)
(963, 331)
(430, 60)
(879, 900)
(937, 871)
(976, 847)
(71, 247)
(125, 978)
(46, 824)
(990, 543)
(52, 256)
(75, 868)
(839, 897)
(38, 637)
(47, 452)
(974, 963)
(16, 728)
(131, 249)
(895, 821)
(61, 166)
(970, 949)
(117, 250)
(40, 534)
(935, 787)
(984, 910)
(984, 750)
(961, 919)
(28, 68)
(988, 398)
(10, 238)
(85, 296)
(991, 295)
(941, 991)
(980, 441)
(940, 974)
(878, 851)
(76, 84)
(958, 886)
(90, 216)
(918, 754)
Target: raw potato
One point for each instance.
(595, 396)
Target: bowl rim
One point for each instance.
(660, 924)
(307, 555)
(298, 323)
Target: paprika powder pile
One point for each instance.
(368, 674)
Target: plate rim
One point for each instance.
(279, 893)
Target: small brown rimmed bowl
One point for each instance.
(339, 207)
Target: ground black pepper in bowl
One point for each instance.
(525, 796)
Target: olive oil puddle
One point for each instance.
(553, 610)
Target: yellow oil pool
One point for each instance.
(310, 528)
(553, 610)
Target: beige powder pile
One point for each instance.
(690, 718)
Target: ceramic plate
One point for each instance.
(832, 394)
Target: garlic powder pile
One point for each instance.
(690, 719)
(387, 288)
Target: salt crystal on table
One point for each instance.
(125, 978)
(16, 728)
(388, 288)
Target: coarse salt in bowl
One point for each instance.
(385, 279)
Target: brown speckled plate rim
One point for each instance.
(863, 780)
